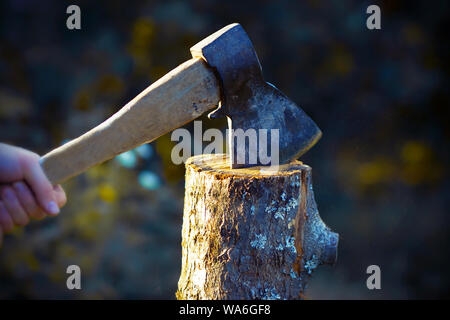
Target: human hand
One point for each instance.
(25, 191)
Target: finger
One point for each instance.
(28, 201)
(40, 185)
(13, 206)
(60, 195)
(6, 221)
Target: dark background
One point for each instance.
(380, 170)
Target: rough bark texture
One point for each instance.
(250, 233)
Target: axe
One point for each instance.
(224, 73)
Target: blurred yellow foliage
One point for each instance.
(17, 231)
(31, 261)
(141, 37)
(87, 263)
(143, 32)
(158, 71)
(374, 172)
(419, 164)
(341, 62)
(414, 164)
(107, 192)
(56, 276)
(66, 251)
(415, 152)
(97, 171)
(164, 147)
(83, 100)
(110, 84)
(87, 223)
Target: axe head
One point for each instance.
(265, 127)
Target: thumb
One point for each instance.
(41, 186)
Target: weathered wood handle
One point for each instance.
(180, 96)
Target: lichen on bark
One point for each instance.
(249, 233)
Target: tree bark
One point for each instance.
(250, 233)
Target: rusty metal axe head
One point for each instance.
(251, 103)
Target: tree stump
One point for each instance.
(250, 233)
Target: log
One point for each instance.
(250, 233)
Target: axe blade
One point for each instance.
(252, 105)
(283, 130)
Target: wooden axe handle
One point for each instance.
(180, 96)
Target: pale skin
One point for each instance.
(25, 191)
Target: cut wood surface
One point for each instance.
(250, 233)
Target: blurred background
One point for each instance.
(380, 171)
